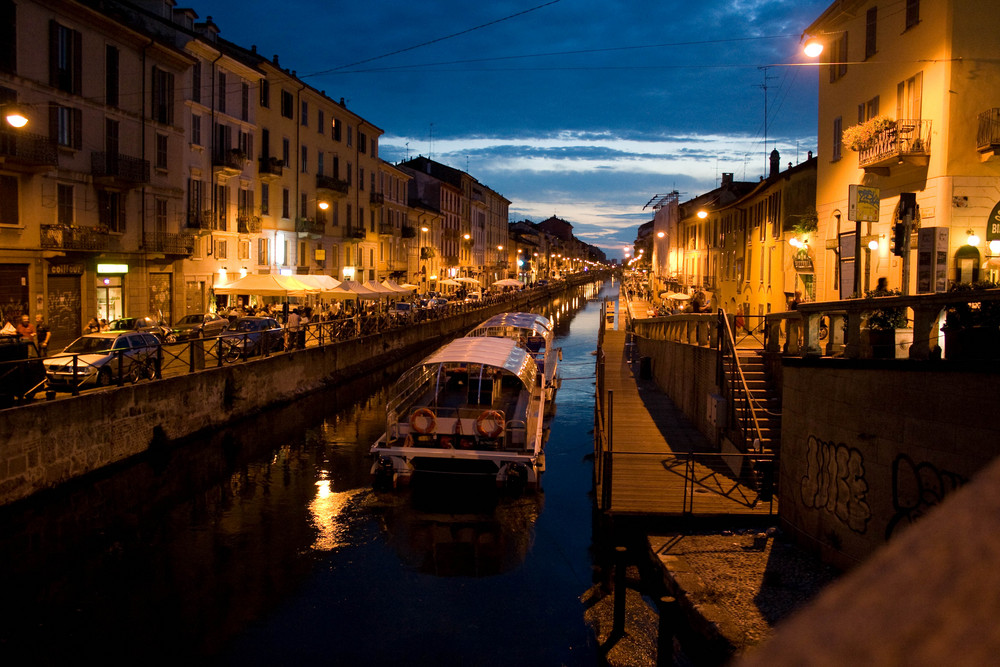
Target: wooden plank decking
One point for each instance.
(650, 439)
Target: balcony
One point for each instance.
(908, 141)
(309, 228)
(386, 229)
(229, 163)
(331, 187)
(92, 239)
(408, 232)
(250, 224)
(27, 152)
(200, 221)
(115, 169)
(988, 136)
(169, 244)
(376, 199)
(270, 169)
(357, 233)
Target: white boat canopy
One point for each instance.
(496, 352)
(533, 324)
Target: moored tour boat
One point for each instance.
(533, 333)
(475, 406)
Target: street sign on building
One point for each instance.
(863, 203)
(993, 225)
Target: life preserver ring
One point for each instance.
(493, 417)
(422, 420)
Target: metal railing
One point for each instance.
(198, 354)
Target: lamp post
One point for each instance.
(423, 259)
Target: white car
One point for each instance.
(97, 359)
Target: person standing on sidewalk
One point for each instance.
(42, 335)
(292, 329)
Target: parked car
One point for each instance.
(250, 336)
(402, 311)
(144, 324)
(437, 303)
(97, 360)
(197, 325)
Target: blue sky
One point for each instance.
(574, 108)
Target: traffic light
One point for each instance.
(898, 235)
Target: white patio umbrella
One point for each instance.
(268, 284)
(397, 288)
(351, 289)
(409, 286)
(465, 279)
(449, 282)
(508, 282)
(380, 289)
(322, 282)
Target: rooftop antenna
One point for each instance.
(431, 156)
(764, 87)
(407, 151)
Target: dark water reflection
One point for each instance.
(266, 545)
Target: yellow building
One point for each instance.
(907, 104)
(91, 192)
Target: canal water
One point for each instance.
(266, 545)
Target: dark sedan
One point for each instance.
(250, 336)
(197, 325)
(143, 324)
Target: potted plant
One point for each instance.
(859, 137)
(882, 324)
(972, 328)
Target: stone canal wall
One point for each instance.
(868, 447)
(44, 444)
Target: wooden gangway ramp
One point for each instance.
(659, 463)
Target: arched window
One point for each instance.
(967, 261)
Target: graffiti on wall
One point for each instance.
(835, 482)
(916, 488)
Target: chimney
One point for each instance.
(775, 163)
(274, 59)
(727, 178)
(810, 155)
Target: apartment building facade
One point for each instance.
(907, 112)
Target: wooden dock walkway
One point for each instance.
(660, 463)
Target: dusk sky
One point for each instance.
(573, 108)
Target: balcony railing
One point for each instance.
(200, 220)
(62, 237)
(988, 136)
(309, 227)
(334, 187)
(907, 139)
(376, 199)
(270, 168)
(408, 232)
(27, 149)
(386, 228)
(229, 162)
(169, 244)
(119, 168)
(357, 233)
(248, 224)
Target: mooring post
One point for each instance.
(665, 632)
(618, 627)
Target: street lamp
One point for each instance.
(15, 115)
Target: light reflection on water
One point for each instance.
(265, 544)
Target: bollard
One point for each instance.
(618, 628)
(665, 631)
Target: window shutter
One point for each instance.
(77, 128)
(53, 53)
(54, 122)
(77, 62)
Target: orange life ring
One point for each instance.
(422, 420)
(493, 416)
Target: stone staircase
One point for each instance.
(766, 404)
